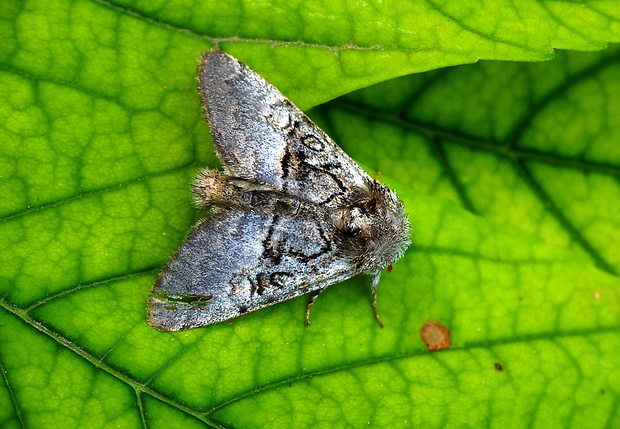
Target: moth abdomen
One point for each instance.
(212, 187)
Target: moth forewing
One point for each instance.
(291, 213)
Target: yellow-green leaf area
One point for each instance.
(508, 171)
(396, 392)
(53, 384)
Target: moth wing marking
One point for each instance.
(237, 262)
(260, 135)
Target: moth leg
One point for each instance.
(374, 284)
(310, 304)
(378, 176)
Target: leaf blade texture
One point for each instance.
(508, 171)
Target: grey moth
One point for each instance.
(290, 213)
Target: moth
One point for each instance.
(290, 213)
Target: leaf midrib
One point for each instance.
(140, 387)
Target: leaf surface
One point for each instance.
(508, 170)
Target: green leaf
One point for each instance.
(509, 172)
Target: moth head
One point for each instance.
(373, 227)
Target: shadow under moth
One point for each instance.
(290, 214)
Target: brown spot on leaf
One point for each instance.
(435, 336)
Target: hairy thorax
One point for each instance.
(369, 225)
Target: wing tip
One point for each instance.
(216, 60)
(169, 317)
(214, 54)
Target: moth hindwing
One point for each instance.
(290, 214)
